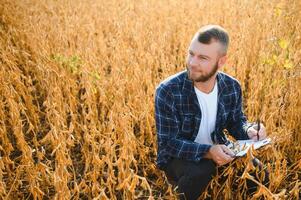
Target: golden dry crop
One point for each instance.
(77, 83)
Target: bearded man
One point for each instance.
(192, 110)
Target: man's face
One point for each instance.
(202, 60)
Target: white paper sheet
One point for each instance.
(244, 145)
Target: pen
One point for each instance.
(258, 128)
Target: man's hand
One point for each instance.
(253, 130)
(220, 154)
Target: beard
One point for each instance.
(203, 77)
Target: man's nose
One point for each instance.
(193, 61)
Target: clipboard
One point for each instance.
(241, 147)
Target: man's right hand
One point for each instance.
(220, 154)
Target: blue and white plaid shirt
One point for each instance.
(178, 117)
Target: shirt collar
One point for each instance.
(188, 84)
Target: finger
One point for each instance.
(255, 126)
(221, 151)
(227, 151)
(231, 159)
(221, 157)
(227, 159)
(259, 134)
(262, 133)
(218, 161)
(262, 126)
(252, 132)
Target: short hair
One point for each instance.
(210, 33)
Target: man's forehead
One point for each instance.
(204, 49)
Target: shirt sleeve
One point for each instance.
(238, 124)
(168, 127)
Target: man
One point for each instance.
(193, 107)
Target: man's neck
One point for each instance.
(207, 86)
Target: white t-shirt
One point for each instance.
(208, 105)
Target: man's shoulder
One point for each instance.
(173, 81)
(228, 80)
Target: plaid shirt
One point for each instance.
(178, 116)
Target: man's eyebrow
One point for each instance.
(202, 56)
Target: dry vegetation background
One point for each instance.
(77, 92)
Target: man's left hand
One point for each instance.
(253, 130)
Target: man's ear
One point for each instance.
(222, 60)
